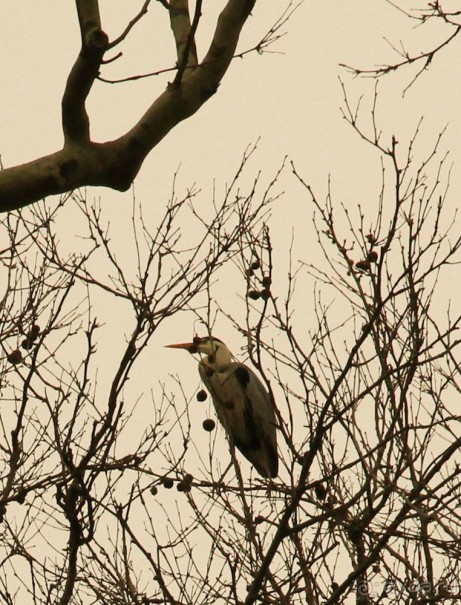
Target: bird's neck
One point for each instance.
(219, 360)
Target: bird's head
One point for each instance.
(214, 349)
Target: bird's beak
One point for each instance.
(188, 346)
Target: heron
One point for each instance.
(242, 403)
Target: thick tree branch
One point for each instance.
(75, 121)
(183, 34)
(115, 163)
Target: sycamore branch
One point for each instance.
(183, 32)
(115, 163)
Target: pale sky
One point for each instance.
(288, 98)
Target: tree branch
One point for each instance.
(130, 25)
(75, 121)
(115, 163)
(184, 34)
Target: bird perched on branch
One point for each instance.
(241, 401)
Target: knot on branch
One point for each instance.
(98, 39)
(94, 38)
(68, 169)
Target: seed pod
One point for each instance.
(201, 395)
(167, 482)
(320, 492)
(26, 343)
(266, 281)
(363, 265)
(208, 424)
(265, 294)
(15, 357)
(372, 256)
(34, 332)
(253, 294)
(371, 238)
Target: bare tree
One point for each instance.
(70, 470)
(366, 505)
(115, 163)
(439, 12)
(112, 492)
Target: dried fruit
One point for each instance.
(167, 482)
(154, 490)
(265, 294)
(266, 281)
(363, 265)
(320, 492)
(15, 357)
(255, 265)
(208, 424)
(201, 395)
(26, 343)
(34, 332)
(253, 294)
(372, 256)
(371, 238)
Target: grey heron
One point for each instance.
(241, 402)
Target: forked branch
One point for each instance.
(115, 163)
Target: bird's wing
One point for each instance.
(246, 411)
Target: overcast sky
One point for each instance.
(289, 98)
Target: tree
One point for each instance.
(431, 12)
(115, 163)
(366, 505)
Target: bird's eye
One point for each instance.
(196, 340)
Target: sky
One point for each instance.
(288, 100)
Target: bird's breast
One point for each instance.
(230, 399)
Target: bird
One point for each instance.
(241, 401)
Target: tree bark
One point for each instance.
(115, 164)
